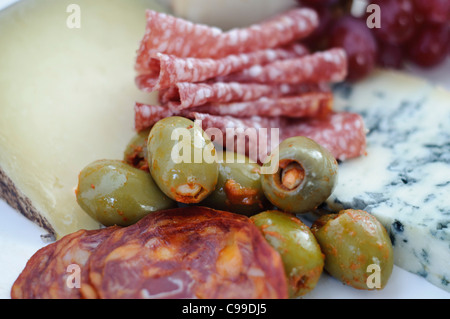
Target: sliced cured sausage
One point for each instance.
(182, 38)
(191, 252)
(168, 70)
(343, 133)
(316, 104)
(182, 99)
(146, 116)
(184, 95)
(326, 66)
(47, 274)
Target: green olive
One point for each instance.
(135, 153)
(302, 258)
(305, 178)
(238, 188)
(182, 160)
(357, 248)
(115, 193)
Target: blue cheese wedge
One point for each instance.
(405, 178)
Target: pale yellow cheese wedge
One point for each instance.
(66, 99)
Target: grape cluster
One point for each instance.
(416, 31)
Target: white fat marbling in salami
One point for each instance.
(168, 70)
(146, 116)
(185, 95)
(175, 36)
(325, 66)
(343, 133)
(315, 104)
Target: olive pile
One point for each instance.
(176, 162)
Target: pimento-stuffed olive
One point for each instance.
(238, 188)
(302, 258)
(182, 160)
(306, 175)
(135, 153)
(115, 193)
(357, 248)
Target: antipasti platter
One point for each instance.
(173, 149)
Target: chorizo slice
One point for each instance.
(47, 274)
(191, 252)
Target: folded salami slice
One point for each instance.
(175, 36)
(310, 104)
(168, 70)
(316, 104)
(343, 134)
(185, 95)
(190, 252)
(48, 274)
(146, 116)
(326, 66)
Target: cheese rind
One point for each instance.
(67, 97)
(405, 178)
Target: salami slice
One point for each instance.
(146, 115)
(175, 36)
(185, 95)
(326, 66)
(316, 104)
(312, 104)
(167, 70)
(343, 133)
(191, 252)
(46, 274)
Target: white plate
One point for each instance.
(20, 239)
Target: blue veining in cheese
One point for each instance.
(405, 178)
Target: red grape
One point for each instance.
(317, 40)
(397, 18)
(437, 11)
(390, 56)
(430, 46)
(355, 38)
